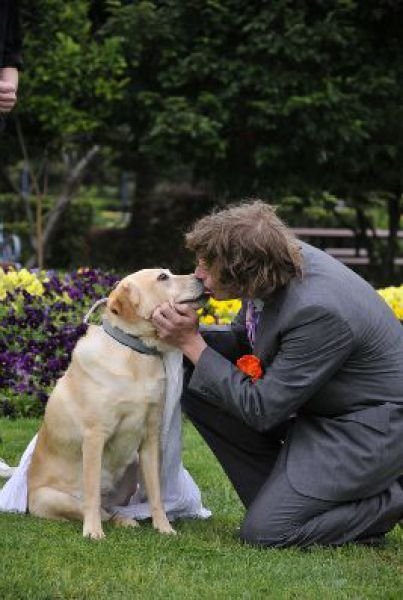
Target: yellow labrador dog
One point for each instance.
(104, 415)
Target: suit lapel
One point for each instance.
(266, 342)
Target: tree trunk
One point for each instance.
(71, 185)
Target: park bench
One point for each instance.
(343, 243)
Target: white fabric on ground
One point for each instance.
(5, 470)
(14, 495)
(180, 493)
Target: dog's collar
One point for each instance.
(131, 341)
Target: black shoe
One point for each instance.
(373, 541)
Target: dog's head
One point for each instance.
(132, 303)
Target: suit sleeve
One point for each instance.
(312, 348)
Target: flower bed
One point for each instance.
(41, 320)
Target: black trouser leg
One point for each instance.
(247, 456)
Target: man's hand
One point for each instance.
(178, 325)
(8, 88)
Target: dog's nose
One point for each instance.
(199, 280)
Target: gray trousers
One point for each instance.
(276, 514)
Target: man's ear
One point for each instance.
(123, 301)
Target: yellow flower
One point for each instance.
(66, 298)
(393, 296)
(224, 321)
(11, 280)
(208, 320)
(24, 275)
(221, 311)
(35, 288)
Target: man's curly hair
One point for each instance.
(249, 246)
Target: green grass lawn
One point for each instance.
(47, 560)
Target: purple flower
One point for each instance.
(21, 387)
(75, 293)
(42, 396)
(55, 364)
(36, 345)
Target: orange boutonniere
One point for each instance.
(251, 365)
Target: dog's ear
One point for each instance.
(123, 301)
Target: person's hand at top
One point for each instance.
(8, 88)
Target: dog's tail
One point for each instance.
(5, 470)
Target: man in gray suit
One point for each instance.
(314, 446)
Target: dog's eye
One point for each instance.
(163, 277)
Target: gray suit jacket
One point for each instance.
(332, 352)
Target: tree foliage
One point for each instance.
(72, 80)
(272, 98)
(73, 76)
(262, 96)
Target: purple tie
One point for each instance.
(252, 319)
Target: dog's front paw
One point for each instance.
(93, 533)
(167, 529)
(163, 526)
